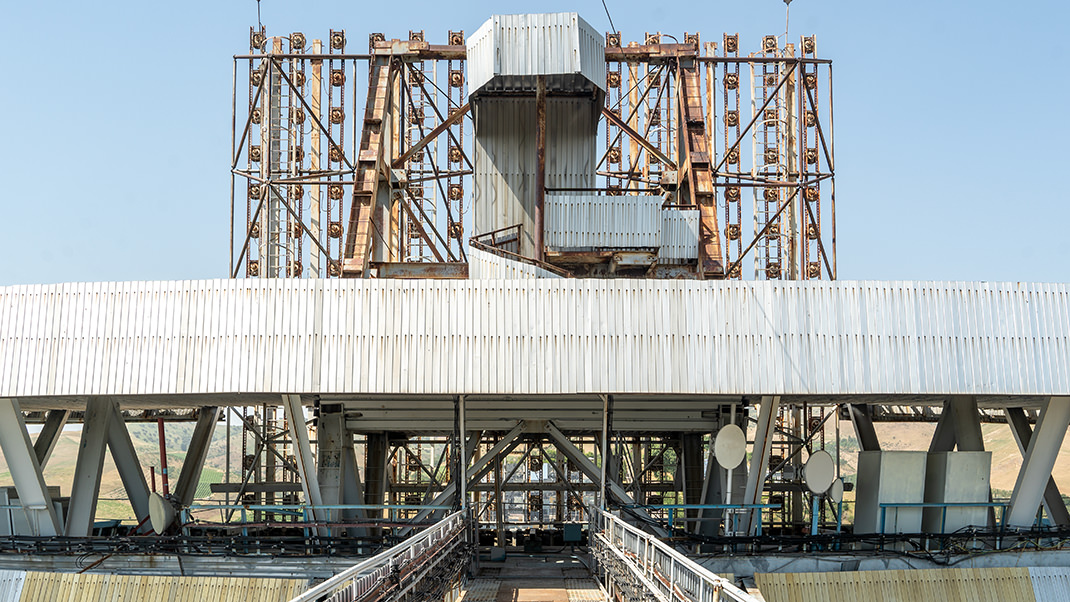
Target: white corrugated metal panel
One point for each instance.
(504, 161)
(535, 44)
(534, 336)
(679, 234)
(488, 266)
(577, 221)
(480, 48)
(11, 583)
(1050, 584)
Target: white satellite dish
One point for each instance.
(730, 446)
(161, 513)
(836, 491)
(819, 471)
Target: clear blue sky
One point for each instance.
(951, 125)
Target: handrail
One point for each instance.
(667, 574)
(944, 505)
(362, 577)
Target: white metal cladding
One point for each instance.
(488, 266)
(535, 44)
(504, 178)
(11, 583)
(1050, 584)
(679, 234)
(577, 221)
(534, 336)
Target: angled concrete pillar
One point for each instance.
(1023, 434)
(944, 436)
(967, 423)
(306, 462)
(867, 435)
(49, 435)
(186, 488)
(759, 463)
(26, 470)
(1038, 462)
(86, 487)
(126, 462)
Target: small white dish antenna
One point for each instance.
(730, 446)
(161, 513)
(819, 472)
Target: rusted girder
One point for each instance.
(651, 53)
(358, 234)
(697, 176)
(442, 127)
(421, 270)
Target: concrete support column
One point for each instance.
(86, 487)
(967, 423)
(867, 435)
(190, 477)
(306, 462)
(49, 435)
(1023, 434)
(331, 439)
(25, 470)
(126, 462)
(759, 464)
(944, 436)
(1039, 461)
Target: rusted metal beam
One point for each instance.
(696, 162)
(651, 52)
(442, 127)
(359, 232)
(634, 135)
(759, 236)
(540, 168)
(420, 270)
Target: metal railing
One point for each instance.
(642, 567)
(393, 572)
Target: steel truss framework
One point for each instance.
(329, 195)
(348, 478)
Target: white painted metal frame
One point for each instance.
(26, 471)
(88, 467)
(1038, 462)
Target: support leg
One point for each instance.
(49, 435)
(125, 457)
(190, 478)
(306, 462)
(1038, 463)
(1023, 434)
(86, 487)
(944, 437)
(26, 470)
(759, 464)
(331, 437)
(867, 435)
(967, 424)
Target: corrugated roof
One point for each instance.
(534, 336)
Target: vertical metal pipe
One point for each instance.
(607, 408)
(832, 167)
(233, 125)
(540, 168)
(462, 445)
